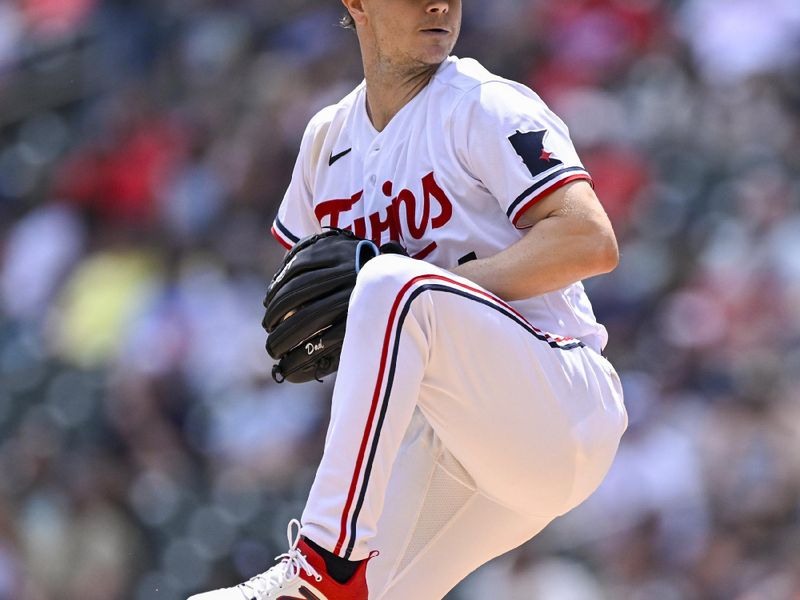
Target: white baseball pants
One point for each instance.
(458, 430)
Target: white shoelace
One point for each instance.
(284, 572)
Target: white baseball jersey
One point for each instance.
(449, 177)
(460, 425)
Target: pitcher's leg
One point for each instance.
(536, 421)
(383, 360)
(523, 411)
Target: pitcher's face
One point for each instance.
(414, 32)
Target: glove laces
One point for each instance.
(292, 562)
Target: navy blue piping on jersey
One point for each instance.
(524, 195)
(390, 380)
(292, 238)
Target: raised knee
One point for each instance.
(385, 272)
(383, 279)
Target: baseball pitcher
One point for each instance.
(439, 223)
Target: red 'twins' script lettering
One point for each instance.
(398, 218)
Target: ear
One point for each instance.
(356, 10)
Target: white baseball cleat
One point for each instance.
(301, 574)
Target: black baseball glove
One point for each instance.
(306, 303)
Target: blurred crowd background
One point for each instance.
(145, 453)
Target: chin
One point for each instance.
(434, 56)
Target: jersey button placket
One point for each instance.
(369, 165)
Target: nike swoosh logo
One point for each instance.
(307, 593)
(335, 157)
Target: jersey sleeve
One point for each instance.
(295, 219)
(519, 150)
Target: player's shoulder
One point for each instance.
(333, 114)
(326, 126)
(467, 84)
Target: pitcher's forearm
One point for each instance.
(553, 255)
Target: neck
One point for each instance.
(390, 89)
